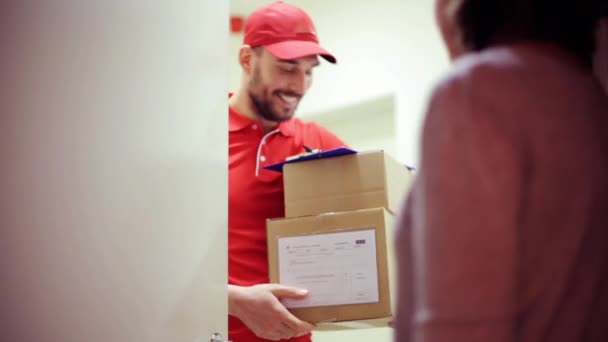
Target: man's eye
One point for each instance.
(286, 70)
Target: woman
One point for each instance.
(505, 234)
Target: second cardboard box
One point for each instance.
(364, 180)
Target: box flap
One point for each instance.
(398, 179)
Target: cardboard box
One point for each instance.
(358, 181)
(335, 263)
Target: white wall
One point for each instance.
(365, 125)
(384, 47)
(113, 209)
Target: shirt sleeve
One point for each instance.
(463, 214)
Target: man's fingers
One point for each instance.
(297, 333)
(283, 332)
(294, 331)
(261, 310)
(281, 291)
(294, 323)
(288, 331)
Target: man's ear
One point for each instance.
(246, 57)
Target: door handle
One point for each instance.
(217, 337)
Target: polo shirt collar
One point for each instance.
(237, 122)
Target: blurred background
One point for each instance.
(389, 56)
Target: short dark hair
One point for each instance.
(570, 24)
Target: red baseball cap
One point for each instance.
(284, 30)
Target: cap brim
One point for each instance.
(294, 49)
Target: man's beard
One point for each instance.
(263, 105)
(264, 109)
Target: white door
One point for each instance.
(114, 171)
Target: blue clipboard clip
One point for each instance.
(311, 155)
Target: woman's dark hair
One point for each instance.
(567, 23)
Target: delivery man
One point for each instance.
(280, 52)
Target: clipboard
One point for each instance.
(335, 152)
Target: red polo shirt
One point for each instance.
(256, 194)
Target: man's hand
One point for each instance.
(259, 308)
